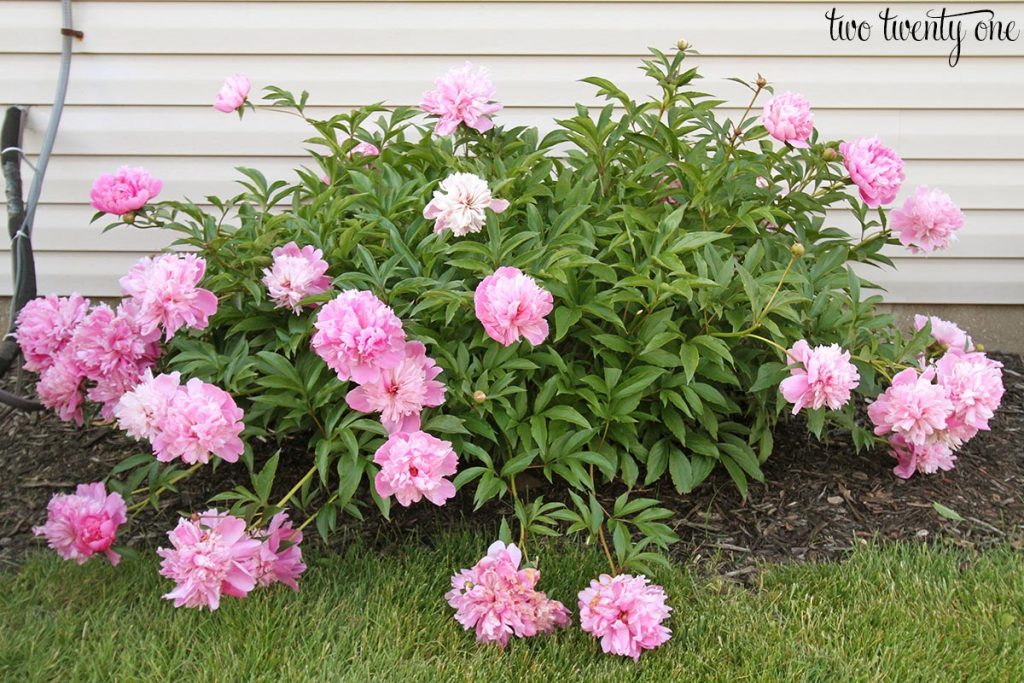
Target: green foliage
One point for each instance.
(677, 288)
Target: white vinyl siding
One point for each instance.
(143, 80)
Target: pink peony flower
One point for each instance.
(108, 390)
(823, 376)
(366, 149)
(233, 93)
(974, 384)
(60, 387)
(511, 305)
(141, 411)
(295, 274)
(84, 523)
(927, 458)
(210, 556)
(45, 326)
(913, 407)
(788, 118)
(112, 344)
(413, 465)
(167, 294)
(200, 420)
(874, 168)
(279, 559)
(459, 204)
(498, 599)
(125, 191)
(358, 336)
(401, 392)
(946, 334)
(462, 96)
(928, 220)
(625, 613)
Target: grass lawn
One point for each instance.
(888, 613)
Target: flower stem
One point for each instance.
(607, 552)
(288, 496)
(182, 475)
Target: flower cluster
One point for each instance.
(212, 555)
(462, 96)
(497, 599)
(101, 353)
(83, 523)
(929, 413)
(191, 421)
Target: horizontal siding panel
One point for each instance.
(828, 82)
(974, 184)
(508, 28)
(914, 280)
(992, 234)
(951, 281)
(190, 131)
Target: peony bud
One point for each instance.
(479, 396)
(829, 154)
(979, 347)
(761, 82)
(797, 250)
(682, 45)
(128, 218)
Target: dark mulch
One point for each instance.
(818, 500)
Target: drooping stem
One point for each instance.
(174, 480)
(298, 485)
(522, 526)
(607, 551)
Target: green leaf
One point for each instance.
(567, 414)
(946, 512)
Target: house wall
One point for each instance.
(144, 77)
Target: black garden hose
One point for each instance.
(23, 264)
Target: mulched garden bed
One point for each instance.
(818, 500)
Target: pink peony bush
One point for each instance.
(677, 276)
